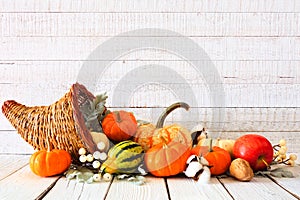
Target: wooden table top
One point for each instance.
(18, 182)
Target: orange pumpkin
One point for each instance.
(148, 135)
(49, 163)
(165, 160)
(219, 159)
(119, 125)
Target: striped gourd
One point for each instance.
(124, 157)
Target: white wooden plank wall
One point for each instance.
(253, 44)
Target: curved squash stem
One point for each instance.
(161, 120)
(210, 145)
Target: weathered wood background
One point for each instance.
(254, 45)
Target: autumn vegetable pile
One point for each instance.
(127, 148)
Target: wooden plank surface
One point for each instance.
(12, 163)
(23, 184)
(164, 94)
(12, 143)
(19, 182)
(150, 6)
(154, 188)
(182, 188)
(257, 188)
(217, 48)
(65, 189)
(62, 73)
(291, 184)
(187, 24)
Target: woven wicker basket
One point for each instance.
(58, 126)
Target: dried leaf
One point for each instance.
(81, 174)
(94, 111)
(122, 176)
(278, 173)
(142, 122)
(138, 180)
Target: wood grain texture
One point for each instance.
(217, 48)
(253, 45)
(180, 188)
(18, 182)
(23, 184)
(154, 188)
(73, 190)
(111, 24)
(12, 163)
(150, 6)
(291, 184)
(258, 188)
(12, 143)
(231, 72)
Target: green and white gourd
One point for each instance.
(124, 157)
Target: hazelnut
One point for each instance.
(241, 170)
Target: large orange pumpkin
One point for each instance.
(219, 159)
(148, 135)
(49, 163)
(165, 160)
(119, 125)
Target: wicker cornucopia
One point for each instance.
(58, 126)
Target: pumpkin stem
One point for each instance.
(161, 119)
(164, 140)
(210, 145)
(118, 116)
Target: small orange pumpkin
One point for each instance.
(219, 159)
(165, 160)
(148, 135)
(49, 163)
(119, 125)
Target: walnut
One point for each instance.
(241, 170)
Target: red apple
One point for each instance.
(256, 149)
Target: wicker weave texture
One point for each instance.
(58, 126)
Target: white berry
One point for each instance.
(282, 151)
(101, 146)
(97, 177)
(107, 177)
(96, 155)
(89, 158)
(283, 156)
(284, 148)
(82, 158)
(96, 164)
(82, 151)
(291, 162)
(293, 157)
(282, 142)
(103, 156)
